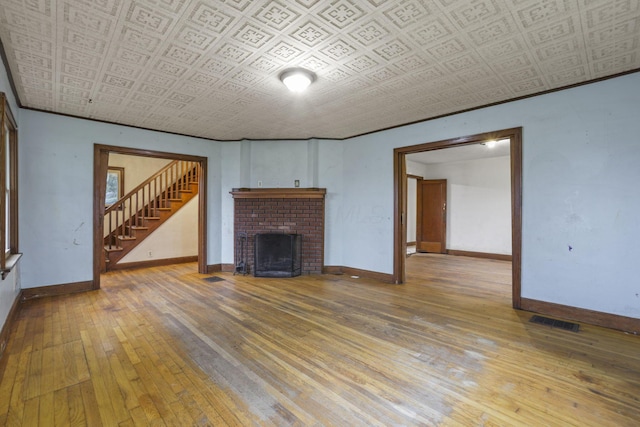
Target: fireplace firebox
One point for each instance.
(277, 255)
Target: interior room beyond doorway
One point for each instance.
(481, 176)
(475, 213)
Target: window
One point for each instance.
(115, 185)
(8, 187)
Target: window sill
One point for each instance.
(11, 262)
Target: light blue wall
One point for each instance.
(581, 155)
(57, 187)
(581, 161)
(56, 191)
(277, 164)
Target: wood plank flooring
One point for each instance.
(164, 346)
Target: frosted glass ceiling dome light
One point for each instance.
(492, 143)
(297, 79)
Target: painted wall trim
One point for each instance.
(500, 257)
(155, 262)
(597, 318)
(53, 290)
(8, 324)
(221, 268)
(214, 268)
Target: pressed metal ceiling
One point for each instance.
(210, 68)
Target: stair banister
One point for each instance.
(135, 190)
(156, 191)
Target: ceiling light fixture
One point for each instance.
(492, 143)
(297, 79)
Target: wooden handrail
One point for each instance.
(139, 187)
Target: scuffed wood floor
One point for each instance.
(163, 346)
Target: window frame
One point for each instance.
(8, 183)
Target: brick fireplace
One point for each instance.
(282, 210)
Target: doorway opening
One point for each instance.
(100, 174)
(514, 136)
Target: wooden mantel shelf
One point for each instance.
(278, 193)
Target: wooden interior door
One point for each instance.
(431, 227)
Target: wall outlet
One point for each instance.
(259, 183)
(150, 254)
(296, 183)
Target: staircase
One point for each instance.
(145, 208)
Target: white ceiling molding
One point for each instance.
(211, 68)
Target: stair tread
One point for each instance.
(113, 248)
(138, 227)
(151, 217)
(126, 238)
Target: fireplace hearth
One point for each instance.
(277, 255)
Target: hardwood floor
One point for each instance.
(164, 346)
